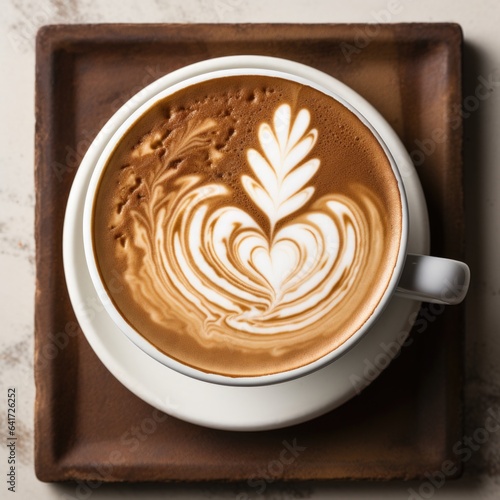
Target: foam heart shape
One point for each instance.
(281, 274)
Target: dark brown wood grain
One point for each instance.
(402, 426)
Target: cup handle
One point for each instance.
(434, 279)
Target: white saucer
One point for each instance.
(229, 407)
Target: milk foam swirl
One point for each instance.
(196, 259)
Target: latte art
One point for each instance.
(257, 261)
(232, 270)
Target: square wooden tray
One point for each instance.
(87, 424)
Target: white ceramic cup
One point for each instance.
(417, 277)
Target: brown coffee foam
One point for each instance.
(350, 157)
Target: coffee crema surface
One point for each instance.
(247, 225)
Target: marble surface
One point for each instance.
(18, 24)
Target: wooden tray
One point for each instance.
(88, 426)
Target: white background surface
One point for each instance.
(481, 24)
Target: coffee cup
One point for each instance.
(248, 226)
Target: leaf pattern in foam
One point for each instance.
(279, 188)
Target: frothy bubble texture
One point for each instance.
(253, 223)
